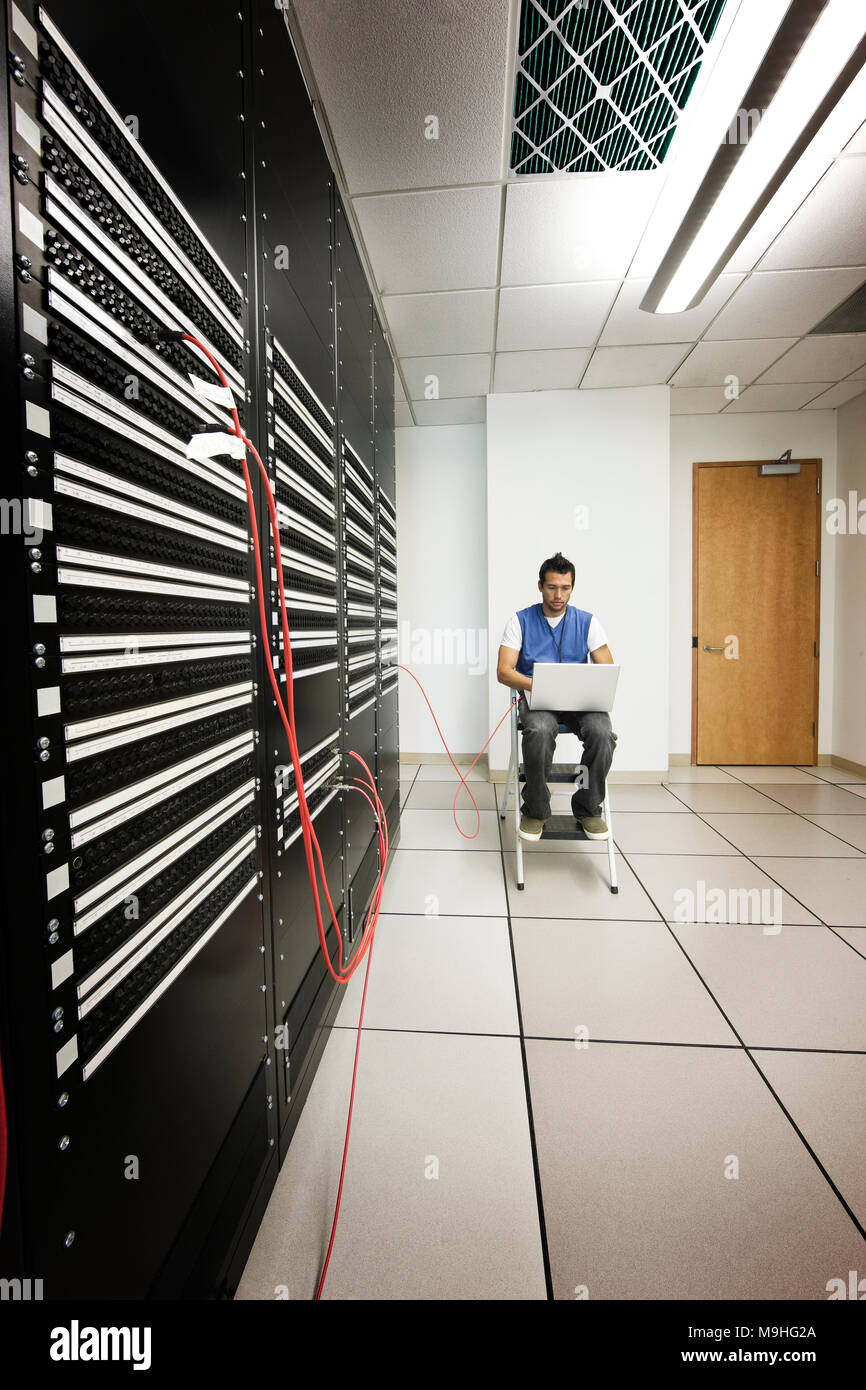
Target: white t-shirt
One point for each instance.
(513, 637)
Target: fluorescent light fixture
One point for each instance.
(803, 57)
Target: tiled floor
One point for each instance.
(651, 1095)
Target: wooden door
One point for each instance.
(756, 585)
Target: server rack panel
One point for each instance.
(171, 1002)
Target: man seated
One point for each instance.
(553, 630)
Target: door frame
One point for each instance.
(819, 527)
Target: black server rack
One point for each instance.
(165, 1000)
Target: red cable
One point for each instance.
(309, 835)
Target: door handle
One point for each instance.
(713, 649)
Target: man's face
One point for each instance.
(555, 591)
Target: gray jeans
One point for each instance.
(593, 728)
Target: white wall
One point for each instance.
(442, 587)
(759, 435)
(549, 452)
(849, 728)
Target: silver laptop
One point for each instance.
(573, 685)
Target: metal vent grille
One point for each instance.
(847, 317)
(601, 83)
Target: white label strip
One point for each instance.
(290, 801)
(241, 743)
(87, 315)
(235, 853)
(156, 499)
(134, 951)
(288, 518)
(213, 474)
(127, 135)
(82, 727)
(128, 508)
(71, 555)
(360, 708)
(296, 404)
(96, 641)
(28, 129)
(101, 745)
(294, 441)
(311, 671)
(99, 1057)
(138, 808)
(86, 579)
(321, 806)
(151, 867)
(298, 560)
(282, 352)
(61, 969)
(118, 661)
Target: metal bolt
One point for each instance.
(28, 373)
(48, 834)
(36, 567)
(58, 1027)
(43, 743)
(63, 1099)
(44, 756)
(31, 456)
(58, 1013)
(33, 553)
(263, 989)
(28, 360)
(39, 649)
(68, 1238)
(40, 660)
(63, 1142)
(34, 472)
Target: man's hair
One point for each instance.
(559, 565)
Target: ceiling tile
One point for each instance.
(788, 397)
(633, 366)
(383, 67)
(857, 143)
(837, 395)
(817, 235)
(827, 357)
(629, 324)
(444, 240)
(441, 323)
(469, 411)
(557, 370)
(783, 303)
(697, 400)
(464, 375)
(708, 364)
(577, 227)
(553, 316)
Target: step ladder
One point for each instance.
(558, 827)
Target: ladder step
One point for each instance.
(560, 772)
(562, 828)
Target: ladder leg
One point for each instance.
(515, 758)
(611, 859)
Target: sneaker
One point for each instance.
(530, 828)
(593, 827)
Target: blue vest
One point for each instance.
(541, 642)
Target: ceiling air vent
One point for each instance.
(601, 83)
(848, 317)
